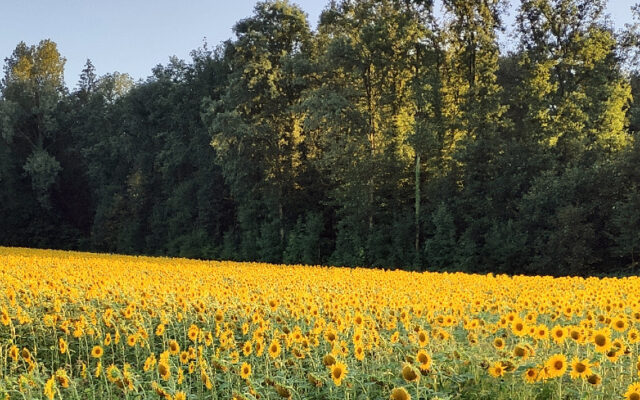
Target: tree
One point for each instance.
(256, 128)
(471, 124)
(574, 86)
(32, 86)
(363, 115)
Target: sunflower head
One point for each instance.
(633, 392)
(338, 372)
(164, 371)
(530, 375)
(496, 369)
(602, 341)
(400, 394)
(245, 371)
(558, 334)
(424, 359)
(96, 352)
(409, 373)
(556, 366)
(580, 368)
(328, 360)
(594, 379)
(274, 348)
(174, 347)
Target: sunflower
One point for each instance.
(633, 336)
(25, 353)
(521, 351)
(180, 396)
(113, 373)
(580, 369)
(149, 362)
(620, 324)
(602, 340)
(164, 370)
(518, 327)
(357, 336)
(246, 349)
(638, 365)
(234, 357)
(338, 372)
(160, 330)
(359, 352)
(259, 348)
(594, 379)
(97, 352)
(62, 344)
(395, 337)
(174, 347)
(556, 366)
(50, 388)
(184, 357)
(498, 343)
(619, 346)
(328, 360)
(424, 359)
(131, 340)
(4, 317)
(98, 370)
(496, 369)
(205, 379)
(576, 334)
(541, 332)
(633, 392)
(613, 355)
(245, 371)
(62, 378)
(330, 335)
(107, 339)
(193, 332)
(274, 348)
(423, 338)
(208, 339)
(314, 380)
(14, 353)
(530, 375)
(400, 394)
(409, 373)
(559, 334)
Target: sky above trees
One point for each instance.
(133, 37)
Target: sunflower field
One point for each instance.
(90, 326)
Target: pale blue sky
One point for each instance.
(133, 36)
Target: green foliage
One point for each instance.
(440, 247)
(387, 137)
(304, 241)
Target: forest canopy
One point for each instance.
(388, 136)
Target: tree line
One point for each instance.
(389, 136)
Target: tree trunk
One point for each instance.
(417, 206)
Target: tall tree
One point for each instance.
(257, 131)
(576, 98)
(471, 122)
(363, 114)
(574, 85)
(32, 87)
